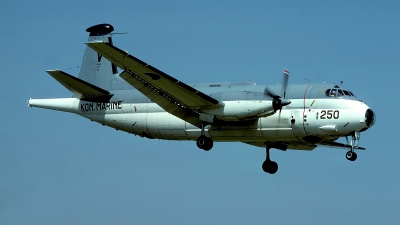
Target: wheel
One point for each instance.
(270, 166)
(204, 143)
(352, 156)
(200, 142)
(349, 154)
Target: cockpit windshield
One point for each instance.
(337, 92)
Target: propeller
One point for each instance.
(279, 101)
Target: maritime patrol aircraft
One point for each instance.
(145, 101)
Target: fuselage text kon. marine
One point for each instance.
(98, 106)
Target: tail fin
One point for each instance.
(96, 69)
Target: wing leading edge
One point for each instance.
(169, 93)
(334, 144)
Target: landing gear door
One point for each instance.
(298, 124)
(309, 117)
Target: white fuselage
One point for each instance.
(324, 119)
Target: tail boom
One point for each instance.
(59, 104)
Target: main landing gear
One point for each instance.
(204, 142)
(269, 166)
(351, 155)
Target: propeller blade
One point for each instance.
(279, 101)
(285, 82)
(270, 93)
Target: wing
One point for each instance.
(169, 93)
(80, 88)
(301, 145)
(283, 145)
(334, 144)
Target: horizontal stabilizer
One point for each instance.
(81, 89)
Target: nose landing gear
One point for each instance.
(355, 138)
(352, 156)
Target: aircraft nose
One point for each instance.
(369, 118)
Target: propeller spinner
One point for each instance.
(279, 101)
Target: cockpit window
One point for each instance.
(327, 92)
(346, 93)
(333, 93)
(338, 93)
(330, 92)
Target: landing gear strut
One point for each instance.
(269, 166)
(204, 142)
(351, 155)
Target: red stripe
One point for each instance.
(305, 103)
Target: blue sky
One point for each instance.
(59, 168)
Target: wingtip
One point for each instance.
(28, 102)
(94, 42)
(55, 70)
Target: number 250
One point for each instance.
(329, 114)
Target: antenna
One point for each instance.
(119, 33)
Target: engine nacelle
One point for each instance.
(238, 110)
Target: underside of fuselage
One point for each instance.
(299, 126)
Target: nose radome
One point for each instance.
(369, 118)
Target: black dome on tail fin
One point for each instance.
(100, 29)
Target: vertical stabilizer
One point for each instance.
(95, 68)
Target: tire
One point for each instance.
(270, 167)
(204, 143)
(208, 144)
(352, 156)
